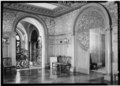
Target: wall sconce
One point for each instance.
(3, 41)
(6, 41)
(66, 40)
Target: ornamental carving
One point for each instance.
(27, 8)
(8, 18)
(50, 25)
(113, 10)
(89, 19)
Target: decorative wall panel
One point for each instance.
(113, 11)
(64, 24)
(89, 19)
(50, 25)
(9, 17)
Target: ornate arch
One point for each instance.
(40, 23)
(16, 21)
(91, 16)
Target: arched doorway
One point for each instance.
(22, 59)
(92, 19)
(26, 21)
(35, 50)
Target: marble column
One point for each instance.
(12, 48)
(108, 51)
(39, 50)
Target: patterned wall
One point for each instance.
(113, 11)
(58, 45)
(65, 24)
(60, 25)
(89, 19)
(9, 17)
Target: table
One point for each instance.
(7, 64)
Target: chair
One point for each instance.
(93, 65)
(62, 65)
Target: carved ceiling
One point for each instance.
(62, 8)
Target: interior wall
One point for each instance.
(115, 49)
(113, 11)
(61, 45)
(65, 25)
(81, 58)
(61, 25)
(9, 17)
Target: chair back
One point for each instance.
(64, 59)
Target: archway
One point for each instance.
(35, 50)
(41, 27)
(21, 47)
(91, 17)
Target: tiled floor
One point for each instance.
(37, 76)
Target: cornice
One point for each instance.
(66, 10)
(62, 9)
(28, 9)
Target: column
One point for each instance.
(39, 58)
(108, 52)
(12, 53)
(73, 50)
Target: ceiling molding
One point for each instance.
(62, 8)
(28, 8)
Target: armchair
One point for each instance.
(62, 65)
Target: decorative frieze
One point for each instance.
(28, 8)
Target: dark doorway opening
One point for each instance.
(35, 59)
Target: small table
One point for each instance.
(7, 63)
(52, 60)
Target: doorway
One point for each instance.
(22, 24)
(21, 53)
(97, 50)
(36, 50)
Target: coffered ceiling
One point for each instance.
(47, 9)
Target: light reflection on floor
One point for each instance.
(46, 76)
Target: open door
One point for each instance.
(81, 60)
(97, 49)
